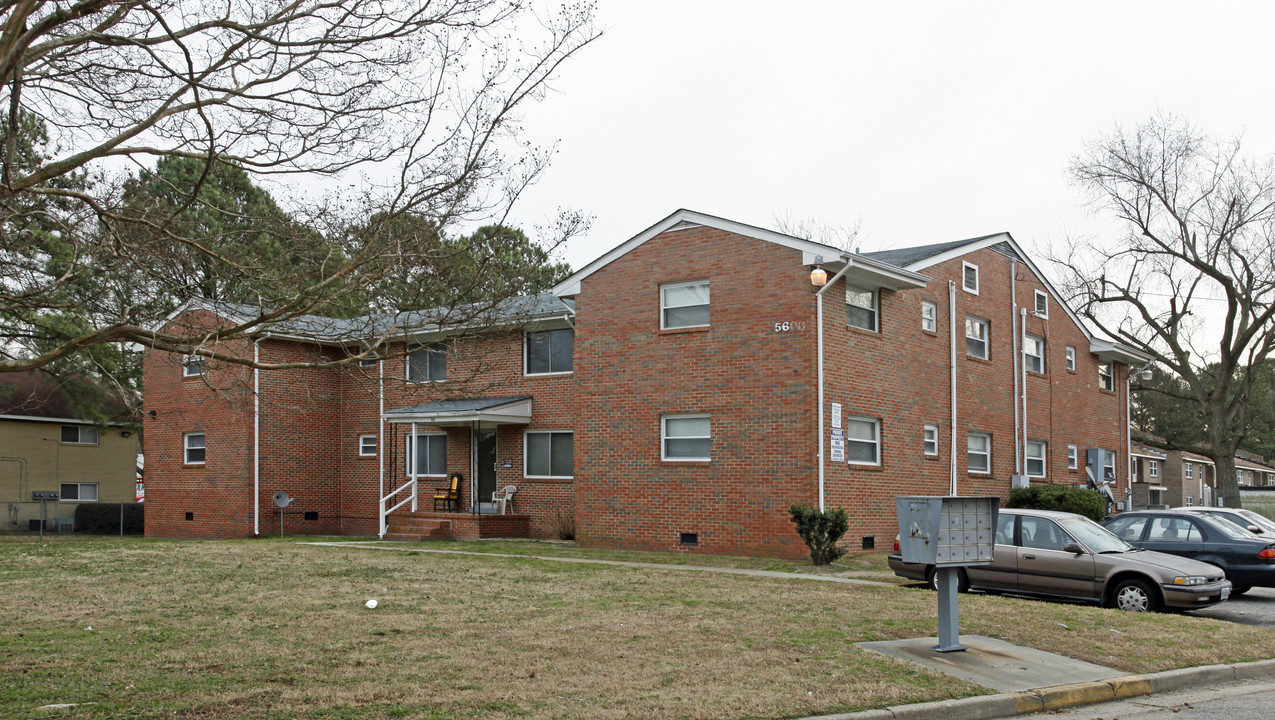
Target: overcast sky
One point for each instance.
(922, 121)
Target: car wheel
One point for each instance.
(1135, 596)
(962, 580)
(1237, 590)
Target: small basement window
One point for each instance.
(690, 538)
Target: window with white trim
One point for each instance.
(369, 360)
(1036, 452)
(550, 352)
(969, 277)
(929, 316)
(549, 454)
(195, 448)
(367, 445)
(863, 441)
(686, 437)
(1034, 353)
(976, 337)
(79, 434)
(861, 308)
(77, 492)
(1106, 376)
(1190, 501)
(431, 459)
(1071, 358)
(931, 439)
(427, 363)
(1109, 465)
(978, 452)
(1188, 470)
(684, 305)
(1042, 304)
(194, 365)
(1073, 457)
(1153, 468)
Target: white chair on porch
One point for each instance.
(504, 497)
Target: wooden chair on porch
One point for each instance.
(449, 496)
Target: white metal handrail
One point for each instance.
(386, 511)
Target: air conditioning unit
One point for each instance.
(64, 525)
(1019, 481)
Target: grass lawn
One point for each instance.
(277, 629)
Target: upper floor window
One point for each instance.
(863, 441)
(549, 454)
(687, 437)
(1153, 468)
(1106, 376)
(929, 316)
(931, 439)
(1042, 304)
(79, 434)
(1036, 458)
(861, 308)
(975, 337)
(1034, 353)
(367, 445)
(969, 277)
(78, 492)
(195, 448)
(684, 305)
(550, 351)
(427, 364)
(194, 365)
(1071, 358)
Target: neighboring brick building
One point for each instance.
(667, 394)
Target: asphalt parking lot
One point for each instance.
(1255, 607)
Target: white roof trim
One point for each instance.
(60, 421)
(517, 412)
(809, 250)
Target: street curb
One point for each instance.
(989, 707)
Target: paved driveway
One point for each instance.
(1255, 607)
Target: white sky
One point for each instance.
(924, 121)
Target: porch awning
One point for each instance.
(516, 409)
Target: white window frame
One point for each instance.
(1109, 463)
(965, 267)
(79, 492)
(1153, 468)
(369, 360)
(929, 316)
(1071, 358)
(407, 453)
(873, 310)
(364, 445)
(874, 443)
(187, 447)
(1042, 458)
(1037, 361)
(1107, 380)
(80, 432)
(1190, 501)
(194, 366)
(969, 467)
(526, 454)
(1073, 457)
(1188, 470)
(1041, 300)
(986, 340)
(930, 440)
(526, 352)
(665, 437)
(665, 307)
(430, 350)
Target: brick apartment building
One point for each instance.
(667, 395)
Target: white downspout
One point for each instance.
(380, 434)
(819, 343)
(256, 438)
(1019, 420)
(1128, 435)
(1023, 372)
(951, 319)
(416, 447)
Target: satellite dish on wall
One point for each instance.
(282, 500)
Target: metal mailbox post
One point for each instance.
(947, 532)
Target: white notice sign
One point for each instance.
(838, 442)
(836, 415)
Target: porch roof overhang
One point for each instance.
(515, 409)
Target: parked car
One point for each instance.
(1247, 559)
(1067, 556)
(1259, 525)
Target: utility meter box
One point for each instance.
(947, 531)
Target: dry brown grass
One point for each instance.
(279, 630)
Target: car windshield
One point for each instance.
(1096, 537)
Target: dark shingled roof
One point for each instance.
(38, 395)
(459, 405)
(903, 257)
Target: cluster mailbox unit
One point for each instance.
(947, 532)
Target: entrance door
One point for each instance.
(485, 465)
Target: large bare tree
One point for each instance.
(369, 110)
(1190, 280)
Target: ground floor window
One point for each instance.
(78, 492)
(549, 454)
(432, 457)
(367, 445)
(195, 448)
(931, 439)
(79, 434)
(979, 452)
(687, 437)
(1073, 455)
(1035, 458)
(863, 441)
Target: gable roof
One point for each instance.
(905, 257)
(38, 396)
